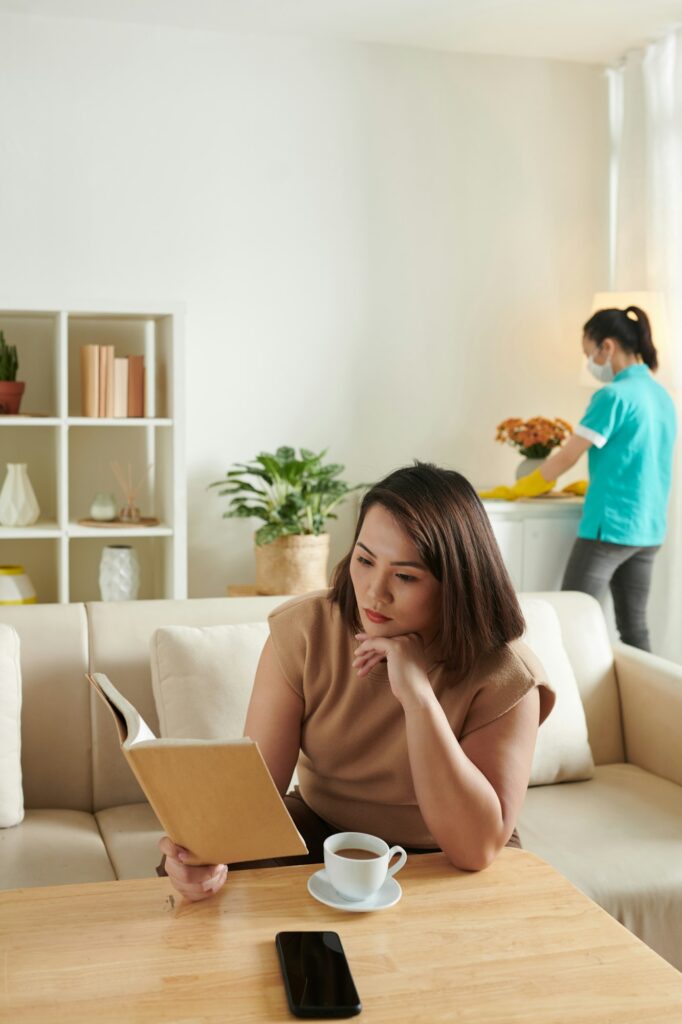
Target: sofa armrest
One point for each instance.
(651, 700)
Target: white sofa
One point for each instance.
(618, 836)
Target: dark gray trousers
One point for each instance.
(595, 565)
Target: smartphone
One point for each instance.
(317, 978)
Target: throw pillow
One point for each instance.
(562, 752)
(202, 678)
(11, 794)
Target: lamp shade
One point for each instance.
(653, 304)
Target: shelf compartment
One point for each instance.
(36, 337)
(84, 558)
(39, 449)
(40, 561)
(148, 335)
(90, 456)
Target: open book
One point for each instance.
(215, 798)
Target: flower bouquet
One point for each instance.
(535, 438)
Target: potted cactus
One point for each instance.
(11, 389)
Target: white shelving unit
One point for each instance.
(69, 455)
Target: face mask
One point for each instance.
(604, 373)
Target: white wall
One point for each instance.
(382, 250)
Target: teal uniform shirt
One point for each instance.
(631, 423)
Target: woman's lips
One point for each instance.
(375, 616)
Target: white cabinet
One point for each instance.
(69, 456)
(535, 537)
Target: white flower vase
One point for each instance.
(18, 503)
(527, 467)
(119, 573)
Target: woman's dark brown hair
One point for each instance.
(443, 515)
(629, 327)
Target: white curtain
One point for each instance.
(646, 255)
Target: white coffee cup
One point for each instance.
(356, 879)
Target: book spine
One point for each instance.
(120, 388)
(109, 402)
(136, 386)
(90, 380)
(102, 401)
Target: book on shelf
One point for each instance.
(90, 379)
(111, 386)
(106, 380)
(120, 387)
(109, 398)
(136, 386)
(214, 797)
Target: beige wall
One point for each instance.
(382, 250)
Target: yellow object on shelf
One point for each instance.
(578, 487)
(530, 486)
(15, 586)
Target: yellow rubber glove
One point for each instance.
(579, 487)
(527, 487)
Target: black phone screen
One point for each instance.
(317, 978)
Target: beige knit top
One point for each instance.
(354, 769)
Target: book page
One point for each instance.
(132, 727)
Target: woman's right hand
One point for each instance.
(194, 882)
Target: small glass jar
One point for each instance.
(104, 507)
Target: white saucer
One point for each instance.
(322, 889)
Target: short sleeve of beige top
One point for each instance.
(354, 769)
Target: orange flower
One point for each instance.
(535, 437)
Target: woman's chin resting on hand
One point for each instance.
(194, 882)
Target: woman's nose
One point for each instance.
(378, 588)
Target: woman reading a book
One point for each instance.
(404, 693)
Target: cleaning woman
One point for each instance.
(629, 428)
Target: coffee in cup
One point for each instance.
(358, 863)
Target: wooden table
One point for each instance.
(514, 943)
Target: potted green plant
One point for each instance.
(11, 389)
(294, 496)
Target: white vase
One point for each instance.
(18, 503)
(527, 467)
(119, 573)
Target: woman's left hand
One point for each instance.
(404, 657)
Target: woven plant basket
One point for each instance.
(293, 565)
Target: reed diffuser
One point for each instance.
(130, 512)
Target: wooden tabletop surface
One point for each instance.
(514, 943)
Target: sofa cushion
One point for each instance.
(56, 735)
(562, 751)
(588, 646)
(202, 678)
(53, 848)
(11, 794)
(618, 838)
(131, 834)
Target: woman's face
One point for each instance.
(390, 580)
(600, 353)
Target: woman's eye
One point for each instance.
(405, 578)
(363, 561)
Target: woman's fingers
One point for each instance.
(171, 849)
(366, 664)
(195, 882)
